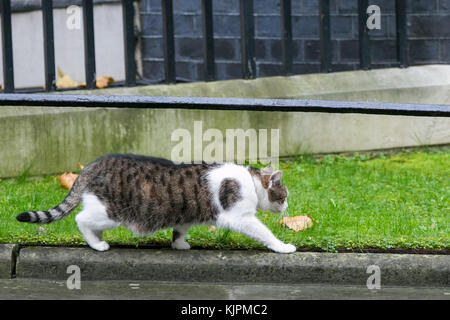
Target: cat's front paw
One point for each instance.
(178, 245)
(284, 248)
(100, 246)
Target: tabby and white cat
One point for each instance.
(146, 194)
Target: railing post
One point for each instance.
(49, 45)
(168, 41)
(129, 42)
(7, 46)
(208, 41)
(402, 36)
(247, 40)
(286, 35)
(89, 44)
(364, 41)
(325, 36)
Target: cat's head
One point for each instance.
(272, 193)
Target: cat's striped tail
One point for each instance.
(57, 213)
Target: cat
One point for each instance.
(147, 194)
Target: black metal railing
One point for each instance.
(243, 104)
(49, 44)
(247, 25)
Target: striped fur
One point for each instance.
(146, 194)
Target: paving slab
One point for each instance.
(147, 290)
(233, 266)
(7, 260)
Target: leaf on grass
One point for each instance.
(103, 82)
(212, 229)
(64, 81)
(80, 166)
(297, 223)
(67, 180)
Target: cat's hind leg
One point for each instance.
(93, 220)
(179, 232)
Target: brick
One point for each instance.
(228, 6)
(384, 65)
(152, 47)
(186, 70)
(153, 70)
(429, 26)
(384, 31)
(305, 26)
(341, 26)
(269, 69)
(297, 7)
(187, 6)
(423, 51)
(303, 68)
(347, 6)
(422, 6)
(227, 49)
(154, 5)
(191, 48)
(383, 51)
(227, 71)
(338, 67)
(444, 5)
(260, 50)
(312, 50)
(144, 6)
(349, 50)
(151, 24)
(309, 7)
(187, 25)
(266, 6)
(445, 51)
(226, 26)
(386, 6)
(267, 26)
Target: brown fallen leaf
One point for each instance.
(67, 180)
(212, 229)
(64, 81)
(103, 82)
(79, 165)
(297, 223)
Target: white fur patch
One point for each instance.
(93, 220)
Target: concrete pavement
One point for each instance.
(225, 266)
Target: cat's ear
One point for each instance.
(267, 170)
(275, 178)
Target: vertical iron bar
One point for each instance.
(168, 41)
(325, 36)
(286, 35)
(129, 42)
(7, 46)
(247, 40)
(208, 41)
(364, 42)
(49, 45)
(89, 45)
(402, 37)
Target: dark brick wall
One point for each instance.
(428, 36)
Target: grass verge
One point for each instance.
(389, 202)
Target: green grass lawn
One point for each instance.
(388, 202)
